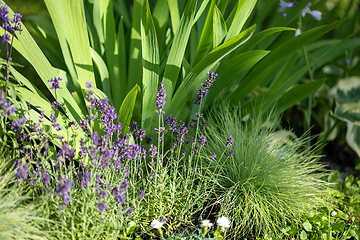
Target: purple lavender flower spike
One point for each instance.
(202, 140)
(230, 142)
(141, 194)
(88, 84)
(153, 151)
(102, 207)
(203, 91)
(231, 153)
(55, 83)
(21, 172)
(129, 211)
(160, 99)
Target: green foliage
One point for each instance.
(268, 181)
(141, 50)
(18, 218)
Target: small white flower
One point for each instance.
(223, 222)
(297, 32)
(156, 223)
(206, 223)
(333, 214)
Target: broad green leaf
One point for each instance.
(249, 45)
(333, 176)
(28, 48)
(111, 51)
(219, 27)
(206, 35)
(26, 82)
(347, 90)
(234, 67)
(161, 18)
(272, 60)
(150, 63)
(296, 94)
(121, 43)
(104, 73)
(121, 9)
(263, 102)
(198, 74)
(349, 112)
(284, 70)
(201, 10)
(98, 26)
(57, 15)
(307, 226)
(353, 137)
(174, 13)
(135, 67)
(178, 48)
(243, 11)
(186, 68)
(77, 37)
(126, 109)
(303, 235)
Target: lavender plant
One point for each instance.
(113, 186)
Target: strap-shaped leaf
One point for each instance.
(232, 69)
(174, 13)
(103, 71)
(243, 11)
(161, 17)
(178, 48)
(271, 61)
(249, 45)
(135, 67)
(206, 35)
(126, 109)
(78, 40)
(55, 9)
(121, 43)
(198, 74)
(150, 63)
(296, 94)
(111, 51)
(219, 27)
(28, 48)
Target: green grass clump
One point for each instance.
(270, 180)
(18, 219)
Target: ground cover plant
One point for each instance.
(112, 140)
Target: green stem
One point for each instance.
(309, 106)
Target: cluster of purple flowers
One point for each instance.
(203, 91)
(107, 150)
(10, 25)
(55, 85)
(6, 106)
(160, 99)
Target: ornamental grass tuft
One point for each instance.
(264, 178)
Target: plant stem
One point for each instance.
(309, 105)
